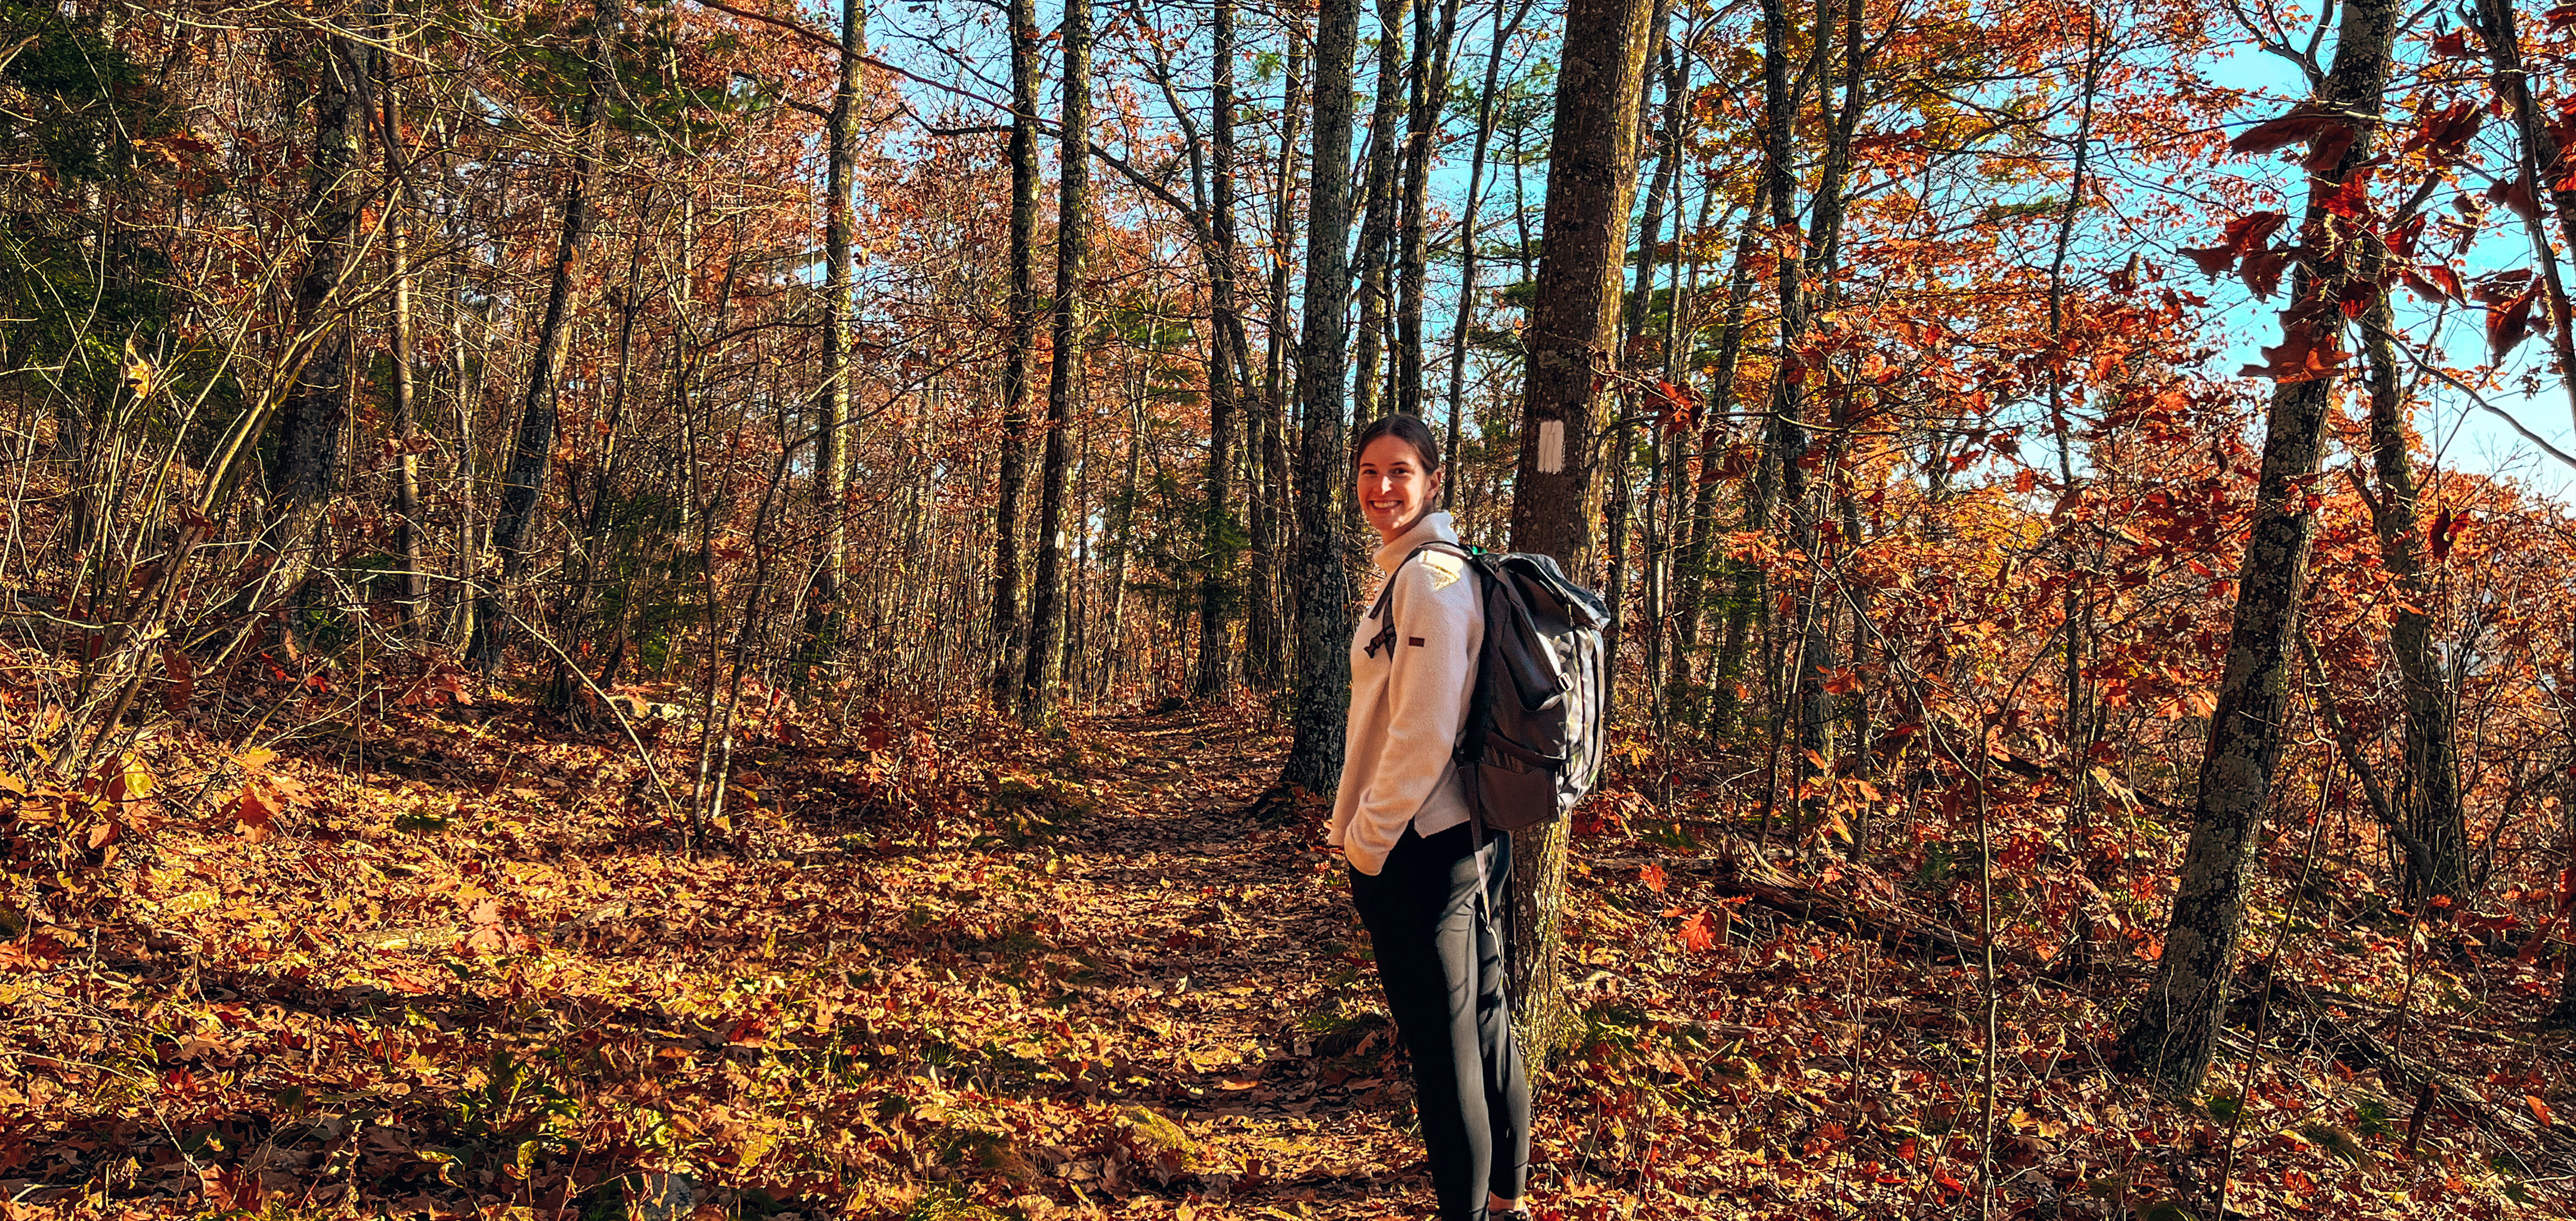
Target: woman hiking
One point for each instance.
(1401, 820)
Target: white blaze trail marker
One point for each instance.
(1551, 446)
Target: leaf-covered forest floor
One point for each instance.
(463, 965)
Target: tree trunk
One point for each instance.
(2437, 855)
(1007, 630)
(1824, 245)
(585, 558)
(1466, 322)
(1639, 307)
(406, 422)
(1780, 482)
(1266, 628)
(1650, 229)
(1323, 579)
(1122, 539)
(1040, 681)
(1225, 357)
(2074, 608)
(309, 423)
(532, 453)
(1428, 86)
(2544, 168)
(1377, 230)
(1692, 571)
(2175, 1031)
(823, 617)
(1592, 180)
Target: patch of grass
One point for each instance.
(947, 1204)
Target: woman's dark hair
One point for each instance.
(1406, 428)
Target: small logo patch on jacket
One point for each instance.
(1445, 569)
(1415, 641)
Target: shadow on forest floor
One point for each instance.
(481, 979)
(1103, 976)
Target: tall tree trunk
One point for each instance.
(2175, 1031)
(1650, 228)
(406, 422)
(1267, 627)
(1428, 86)
(1780, 482)
(824, 615)
(1377, 230)
(532, 452)
(1323, 577)
(1007, 630)
(1466, 323)
(2544, 168)
(307, 464)
(1818, 602)
(2074, 606)
(1040, 681)
(588, 551)
(1692, 574)
(1592, 180)
(1639, 307)
(1114, 653)
(1225, 357)
(2437, 853)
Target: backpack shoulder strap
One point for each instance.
(1383, 610)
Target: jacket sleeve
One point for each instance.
(1435, 618)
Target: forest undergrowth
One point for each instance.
(944, 968)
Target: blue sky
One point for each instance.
(2461, 435)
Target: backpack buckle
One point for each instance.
(1385, 639)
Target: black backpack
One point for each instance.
(1533, 739)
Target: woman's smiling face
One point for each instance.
(1395, 490)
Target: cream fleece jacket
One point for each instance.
(1409, 702)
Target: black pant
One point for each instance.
(1442, 966)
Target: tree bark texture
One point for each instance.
(1592, 180)
(1818, 603)
(405, 424)
(1268, 627)
(840, 301)
(2175, 1031)
(1427, 84)
(1044, 673)
(1008, 631)
(1632, 329)
(532, 451)
(2437, 847)
(1780, 481)
(1716, 697)
(309, 423)
(1322, 584)
(1377, 228)
(1225, 357)
(1591, 183)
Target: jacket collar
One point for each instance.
(1435, 527)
